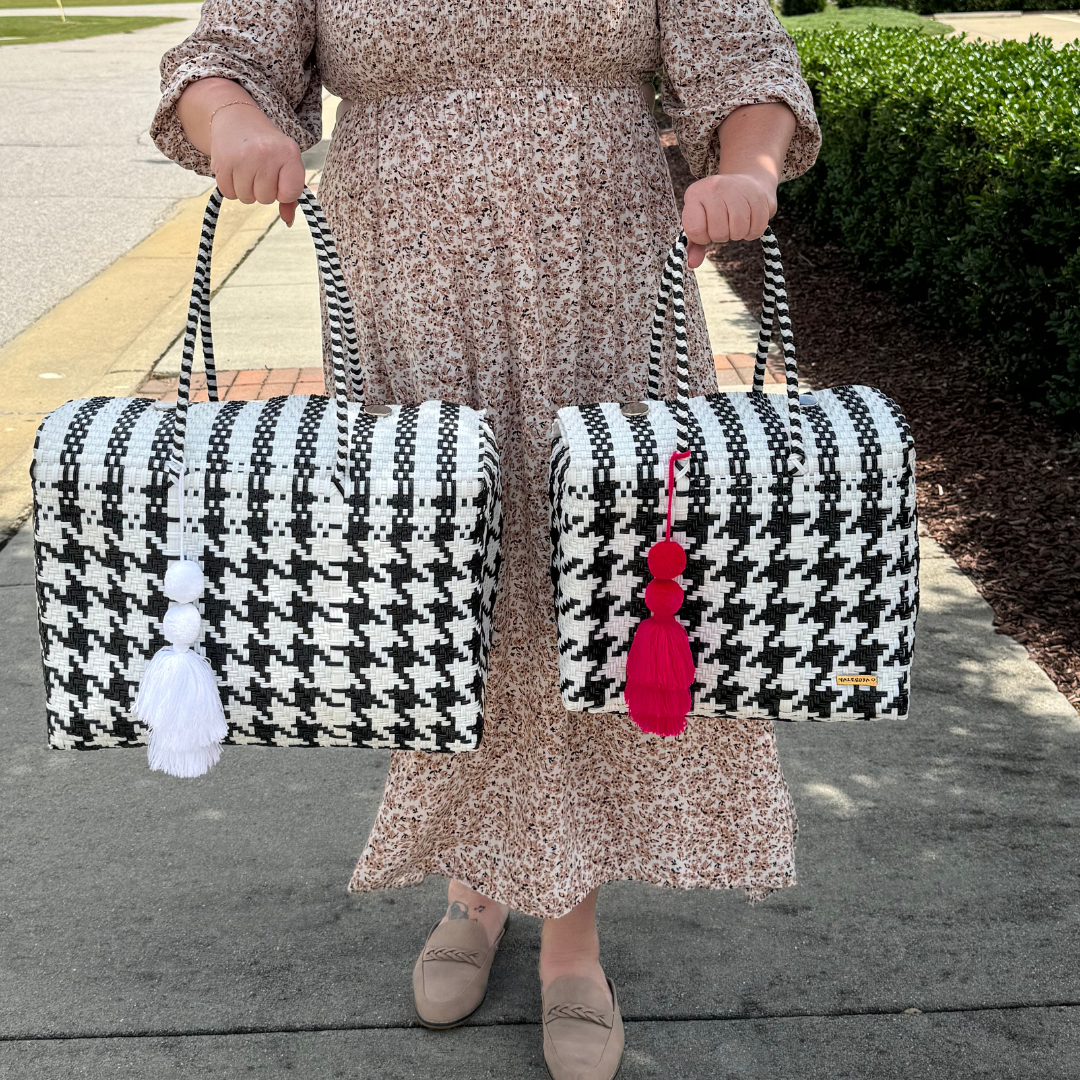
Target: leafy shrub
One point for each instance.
(951, 169)
(801, 7)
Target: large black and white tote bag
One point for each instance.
(797, 514)
(350, 552)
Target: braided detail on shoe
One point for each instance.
(572, 1011)
(461, 956)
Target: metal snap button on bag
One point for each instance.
(792, 536)
(337, 562)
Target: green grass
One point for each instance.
(860, 18)
(34, 29)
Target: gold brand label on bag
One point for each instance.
(856, 680)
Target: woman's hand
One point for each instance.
(254, 161)
(738, 202)
(733, 206)
(250, 157)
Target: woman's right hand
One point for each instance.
(254, 161)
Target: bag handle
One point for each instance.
(340, 316)
(774, 307)
(671, 290)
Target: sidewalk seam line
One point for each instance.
(316, 176)
(221, 285)
(713, 1018)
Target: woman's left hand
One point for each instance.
(731, 206)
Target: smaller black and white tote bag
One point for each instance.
(349, 554)
(797, 516)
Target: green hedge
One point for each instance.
(951, 170)
(801, 7)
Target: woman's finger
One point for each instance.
(224, 179)
(290, 186)
(759, 218)
(695, 255)
(292, 178)
(243, 178)
(265, 184)
(694, 220)
(739, 215)
(717, 211)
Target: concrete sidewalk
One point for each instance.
(1062, 27)
(82, 183)
(155, 928)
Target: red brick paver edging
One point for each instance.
(259, 384)
(737, 369)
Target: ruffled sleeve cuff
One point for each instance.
(720, 55)
(698, 130)
(303, 124)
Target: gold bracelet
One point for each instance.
(226, 105)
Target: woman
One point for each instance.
(502, 207)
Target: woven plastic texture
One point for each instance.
(330, 620)
(801, 590)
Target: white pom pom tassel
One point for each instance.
(178, 697)
(184, 581)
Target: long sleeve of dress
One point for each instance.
(719, 55)
(268, 46)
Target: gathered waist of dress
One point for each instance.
(488, 85)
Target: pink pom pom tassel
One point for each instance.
(660, 666)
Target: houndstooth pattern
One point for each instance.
(330, 619)
(798, 579)
(330, 622)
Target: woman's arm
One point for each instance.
(737, 203)
(252, 159)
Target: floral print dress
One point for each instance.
(502, 206)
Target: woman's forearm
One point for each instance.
(754, 140)
(201, 99)
(252, 159)
(737, 202)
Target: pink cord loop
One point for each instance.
(671, 487)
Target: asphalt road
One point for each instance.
(80, 181)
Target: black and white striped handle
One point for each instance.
(671, 291)
(774, 308)
(344, 347)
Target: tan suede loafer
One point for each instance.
(583, 1030)
(450, 978)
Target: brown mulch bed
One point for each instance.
(998, 487)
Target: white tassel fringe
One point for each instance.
(178, 697)
(179, 701)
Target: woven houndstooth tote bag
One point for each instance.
(350, 552)
(797, 516)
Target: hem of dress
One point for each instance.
(756, 891)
